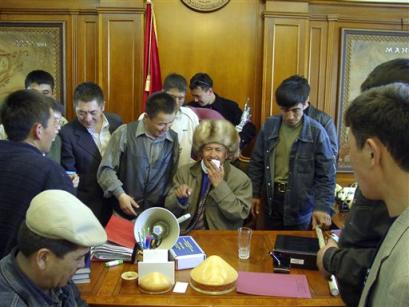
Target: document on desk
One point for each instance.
(120, 231)
(271, 284)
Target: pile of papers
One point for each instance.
(110, 251)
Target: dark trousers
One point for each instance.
(275, 221)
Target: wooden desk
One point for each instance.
(107, 289)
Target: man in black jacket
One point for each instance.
(201, 87)
(83, 143)
(368, 221)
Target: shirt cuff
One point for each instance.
(118, 191)
(327, 259)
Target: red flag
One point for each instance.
(151, 66)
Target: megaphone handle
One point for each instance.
(183, 218)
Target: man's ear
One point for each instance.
(373, 148)
(103, 106)
(43, 258)
(37, 131)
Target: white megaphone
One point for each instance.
(160, 223)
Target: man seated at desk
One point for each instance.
(214, 192)
(49, 251)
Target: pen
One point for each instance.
(113, 263)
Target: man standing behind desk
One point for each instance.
(323, 118)
(141, 159)
(293, 164)
(185, 121)
(49, 251)
(201, 87)
(31, 127)
(84, 141)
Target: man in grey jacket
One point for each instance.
(141, 158)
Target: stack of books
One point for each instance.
(82, 276)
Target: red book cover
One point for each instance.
(120, 231)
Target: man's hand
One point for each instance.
(216, 174)
(183, 191)
(255, 206)
(75, 179)
(127, 204)
(320, 218)
(320, 257)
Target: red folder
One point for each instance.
(120, 231)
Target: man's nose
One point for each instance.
(88, 117)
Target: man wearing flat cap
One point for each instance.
(52, 242)
(214, 192)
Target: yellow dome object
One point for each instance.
(155, 283)
(213, 276)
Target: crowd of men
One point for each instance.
(62, 181)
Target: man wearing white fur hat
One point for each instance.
(215, 193)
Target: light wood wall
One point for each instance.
(248, 46)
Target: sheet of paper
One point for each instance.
(155, 255)
(271, 284)
(120, 231)
(180, 287)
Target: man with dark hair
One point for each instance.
(302, 93)
(31, 127)
(367, 222)
(141, 159)
(293, 165)
(49, 251)
(185, 121)
(396, 70)
(42, 82)
(84, 141)
(201, 88)
(379, 146)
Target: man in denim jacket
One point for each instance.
(293, 165)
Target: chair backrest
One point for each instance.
(204, 113)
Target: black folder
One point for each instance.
(299, 252)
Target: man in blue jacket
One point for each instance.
(293, 165)
(25, 171)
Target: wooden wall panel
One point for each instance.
(87, 49)
(317, 64)
(121, 41)
(285, 54)
(226, 44)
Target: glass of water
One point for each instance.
(244, 242)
